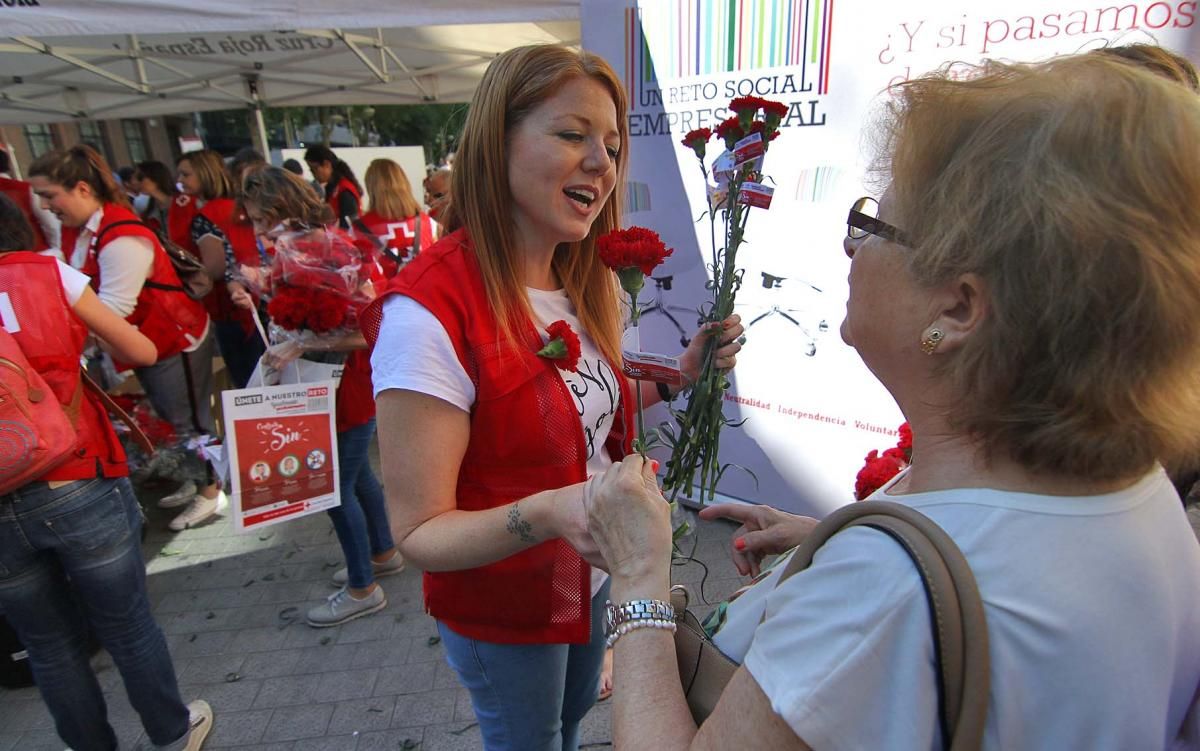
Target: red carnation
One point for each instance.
(327, 312)
(758, 126)
(746, 106)
(563, 346)
(876, 471)
(898, 454)
(770, 107)
(286, 308)
(905, 438)
(696, 140)
(731, 132)
(636, 247)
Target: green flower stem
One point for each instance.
(695, 455)
(636, 314)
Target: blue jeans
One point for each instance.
(361, 521)
(70, 556)
(530, 697)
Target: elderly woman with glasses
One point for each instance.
(1026, 289)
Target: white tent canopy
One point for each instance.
(98, 59)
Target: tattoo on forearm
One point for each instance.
(518, 526)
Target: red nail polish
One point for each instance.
(654, 465)
(740, 543)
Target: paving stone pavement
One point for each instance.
(232, 608)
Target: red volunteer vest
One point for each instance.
(169, 318)
(355, 400)
(397, 234)
(344, 185)
(52, 338)
(179, 222)
(525, 438)
(240, 233)
(18, 191)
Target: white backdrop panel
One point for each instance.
(813, 409)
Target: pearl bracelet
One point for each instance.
(628, 626)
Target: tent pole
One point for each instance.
(258, 132)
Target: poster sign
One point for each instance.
(282, 451)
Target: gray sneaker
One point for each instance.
(341, 607)
(393, 565)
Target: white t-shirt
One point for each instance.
(73, 282)
(1093, 626)
(125, 265)
(413, 352)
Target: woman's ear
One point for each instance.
(83, 189)
(963, 305)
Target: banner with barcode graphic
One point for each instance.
(811, 409)
(281, 442)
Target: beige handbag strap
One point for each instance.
(956, 609)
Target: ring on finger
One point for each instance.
(742, 340)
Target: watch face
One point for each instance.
(610, 615)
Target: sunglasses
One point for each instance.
(864, 220)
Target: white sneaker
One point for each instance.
(341, 607)
(200, 723)
(180, 497)
(393, 565)
(200, 510)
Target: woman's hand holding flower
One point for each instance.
(279, 355)
(630, 520)
(730, 332)
(240, 296)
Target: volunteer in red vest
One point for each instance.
(72, 536)
(394, 215)
(279, 201)
(134, 277)
(156, 182)
(45, 226)
(224, 239)
(486, 446)
(342, 191)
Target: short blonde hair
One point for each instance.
(389, 192)
(209, 167)
(515, 83)
(1156, 60)
(281, 196)
(1071, 187)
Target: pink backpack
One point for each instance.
(35, 432)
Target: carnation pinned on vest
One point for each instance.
(563, 347)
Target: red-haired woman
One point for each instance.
(133, 276)
(489, 500)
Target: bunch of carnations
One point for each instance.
(879, 468)
(694, 468)
(315, 285)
